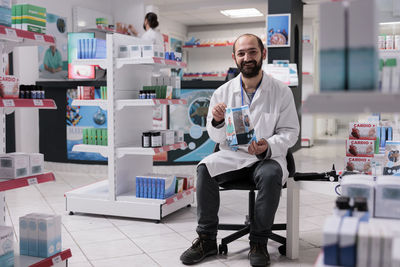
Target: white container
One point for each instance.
(46, 236)
(33, 249)
(23, 236)
(148, 51)
(135, 51)
(14, 165)
(123, 51)
(382, 42)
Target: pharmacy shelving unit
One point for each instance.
(208, 45)
(128, 118)
(10, 38)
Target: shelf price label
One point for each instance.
(37, 102)
(171, 147)
(11, 33)
(39, 37)
(8, 103)
(56, 259)
(32, 181)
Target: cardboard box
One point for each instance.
(46, 236)
(168, 137)
(360, 148)
(36, 163)
(363, 244)
(362, 131)
(6, 246)
(9, 86)
(23, 236)
(33, 249)
(360, 164)
(347, 241)
(14, 166)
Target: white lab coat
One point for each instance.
(273, 114)
(155, 37)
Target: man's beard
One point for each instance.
(250, 72)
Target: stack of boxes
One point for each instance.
(29, 18)
(361, 147)
(17, 165)
(91, 48)
(95, 136)
(172, 89)
(5, 13)
(138, 51)
(40, 235)
(162, 186)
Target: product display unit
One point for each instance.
(128, 117)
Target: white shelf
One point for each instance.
(102, 150)
(120, 104)
(102, 63)
(159, 62)
(352, 102)
(94, 102)
(151, 151)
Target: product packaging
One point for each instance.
(168, 137)
(6, 13)
(239, 129)
(9, 86)
(14, 166)
(123, 51)
(391, 163)
(33, 18)
(360, 164)
(347, 241)
(23, 236)
(360, 148)
(363, 244)
(179, 136)
(135, 51)
(332, 46)
(382, 42)
(6, 246)
(389, 42)
(331, 240)
(158, 186)
(362, 52)
(362, 131)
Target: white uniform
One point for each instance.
(273, 114)
(155, 37)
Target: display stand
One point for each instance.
(128, 118)
(10, 38)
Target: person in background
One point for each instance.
(52, 60)
(273, 113)
(149, 25)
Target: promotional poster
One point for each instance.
(278, 30)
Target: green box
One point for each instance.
(157, 88)
(85, 136)
(163, 91)
(18, 14)
(92, 136)
(99, 139)
(33, 28)
(33, 22)
(104, 137)
(33, 11)
(13, 17)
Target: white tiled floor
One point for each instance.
(97, 240)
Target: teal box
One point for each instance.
(332, 70)
(363, 69)
(5, 16)
(7, 260)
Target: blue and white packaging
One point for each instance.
(347, 242)
(363, 244)
(331, 240)
(395, 252)
(376, 245)
(6, 246)
(46, 236)
(23, 236)
(33, 249)
(57, 235)
(80, 48)
(100, 49)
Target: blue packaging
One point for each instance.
(100, 49)
(79, 49)
(166, 55)
(389, 134)
(141, 187)
(5, 16)
(153, 188)
(137, 187)
(383, 136)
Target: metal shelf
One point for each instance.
(120, 104)
(155, 61)
(28, 103)
(93, 102)
(352, 102)
(151, 151)
(102, 150)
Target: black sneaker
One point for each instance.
(259, 254)
(201, 248)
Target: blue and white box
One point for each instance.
(331, 240)
(6, 246)
(46, 236)
(23, 236)
(347, 242)
(33, 249)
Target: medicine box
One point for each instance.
(6, 246)
(46, 236)
(360, 148)
(363, 131)
(36, 161)
(33, 249)
(123, 51)
(347, 241)
(358, 164)
(135, 51)
(360, 186)
(14, 166)
(387, 197)
(375, 245)
(5, 13)
(179, 136)
(148, 51)
(33, 18)
(23, 236)
(10, 86)
(331, 240)
(363, 244)
(168, 137)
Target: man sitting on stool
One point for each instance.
(273, 114)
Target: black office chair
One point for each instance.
(244, 229)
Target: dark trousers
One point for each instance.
(267, 176)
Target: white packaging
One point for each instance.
(178, 136)
(46, 236)
(387, 197)
(363, 131)
(14, 165)
(386, 78)
(397, 42)
(123, 51)
(10, 86)
(57, 234)
(360, 164)
(395, 252)
(178, 56)
(176, 82)
(387, 241)
(347, 241)
(375, 245)
(381, 42)
(360, 148)
(363, 244)
(359, 186)
(6, 246)
(36, 161)
(135, 51)
(169, 91)
(389, 42)
(148, 51)
(23, 236)
(159, 51)
(168, 137)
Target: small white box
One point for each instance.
(123, 51)
(135, 51)
(6, 246)
(14, 165)
(57, 235)
(159, 51)
(363, 244)
(33, 249)
(46, 236)
(375, 245)
(148, 51)
(179, 136)
(168, 137)
(36, 161)
(23, 236)
(389, 42)
(395, 252)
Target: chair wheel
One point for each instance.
(223, 249)
(282, 250)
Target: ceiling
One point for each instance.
(207, 12)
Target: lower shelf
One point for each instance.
(58, 259)
(96, 199)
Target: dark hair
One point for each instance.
(152, 19)
(260, 43)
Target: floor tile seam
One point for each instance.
(120, 257)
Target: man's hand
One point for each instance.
(257, 148)
(218, 112)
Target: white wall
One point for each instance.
(217, 58)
